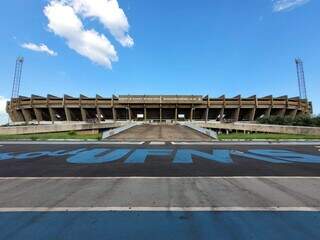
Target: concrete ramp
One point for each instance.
(204, 131)
(115, 131)
(160, 132)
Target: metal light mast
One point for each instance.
(301, 79)
(17, 78)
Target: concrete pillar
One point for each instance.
(176, 114)
(160, 114)
(13, 116)
(282, 112)
(52, 115)
(221, 113)
(98, 114)
(38, 114)
(129, 112)
(68, 114)
(236, 114)
(114, 114)
(191, 114)
(16, 116)
(26, 115)
(252, 113)
(83, 114)
(294, 113)
(268, 112)
(207, 114)
(145, 113)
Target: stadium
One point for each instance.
(153, 108)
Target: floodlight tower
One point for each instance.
(301, 79)
(17, 78)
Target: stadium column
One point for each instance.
(13, 116)
(252, 114)
(268, 112)
(52, 115)
(176, 114)
(207, 114)
(294, 113)
(145, 113)
(83, 114)
(236, 114)
(26, 115)
(68, 114)
(114, 114)
(37, 112)
(282, 112)
(221, 113)
(129, 112)
(98, 114)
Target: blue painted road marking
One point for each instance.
(160, 225)
(140, 155)
(180, 156)
(185, 156)
(99, 155)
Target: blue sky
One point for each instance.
(204, 47)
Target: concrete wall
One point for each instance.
(261, 128)
(56, 128)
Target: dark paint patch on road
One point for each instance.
(160, 225)
(52, 161)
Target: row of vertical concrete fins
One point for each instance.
(151, 107)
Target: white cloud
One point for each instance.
(109, 14)
(286, 5)
(64, 21)
(3, 113)
(39, 48)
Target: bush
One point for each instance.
(34, 138)
(303, 120)
(72, 133)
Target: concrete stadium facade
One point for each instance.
(152, 108)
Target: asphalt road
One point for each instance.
(108, 160)
(159, 191)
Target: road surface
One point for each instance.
(159, 190)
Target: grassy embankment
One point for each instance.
(268, 136)
(48, 136)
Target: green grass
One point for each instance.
(48, 136)
(269, 136)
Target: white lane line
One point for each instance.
(251, 143)
(157, 143)
(71, 143)
(193, 143)
(113, 178)
(142, 142)
(160, 209)
(124, 143)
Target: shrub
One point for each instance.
(34, 138)
(303, 120)
(72, 133)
